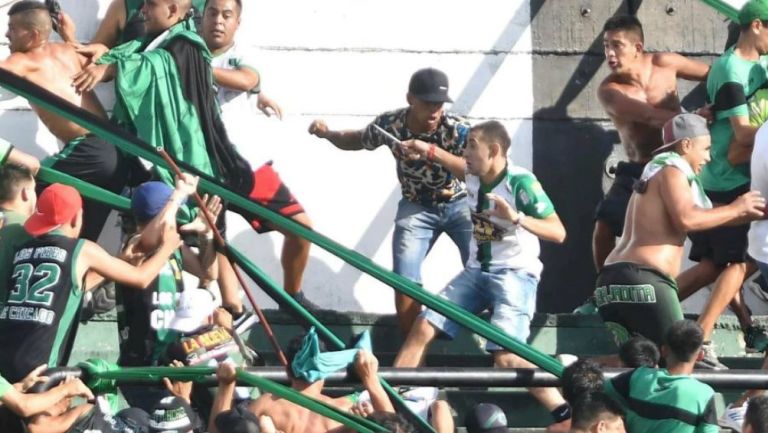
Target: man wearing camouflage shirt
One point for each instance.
(434, 201)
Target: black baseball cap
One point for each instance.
(486, 418)
(237, 420)
(132, 420)
(429, 85)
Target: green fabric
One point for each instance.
(12, 236)
(729, 71)
(150, 101)
(530, 197)
(673, 159)
(5, 386)
(311, 365)
(658, 402)
(71, 310)
(753, 10)
(5, 150)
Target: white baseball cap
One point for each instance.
(192, 310)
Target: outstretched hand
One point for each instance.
(269, 107)
(200, 225)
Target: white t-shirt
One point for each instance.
(758, 231)
(498, 243)
(237, 107)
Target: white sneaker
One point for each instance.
(733, 417)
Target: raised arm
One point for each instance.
(617, 104)
(417, 149)
(226, 374)
(686, 68)
(95, 258)
(108, 33)
(243, 79)
(344, 140)
(203, 264)
(367, 367)
(687, 217)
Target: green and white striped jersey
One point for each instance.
(497, 243)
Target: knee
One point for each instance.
(503, 359)
(303, 219)
(422, 332)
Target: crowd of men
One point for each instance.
(183, 84)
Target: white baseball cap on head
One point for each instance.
(192, 310)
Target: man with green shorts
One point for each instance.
(636, 288)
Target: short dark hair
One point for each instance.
(591, 408)
(293, 349)
(626, 23)
(27, 5)
(684, 339)
(757, 414)
(493, 130)
(34, 15)
(238, 2)
(12, 178)
(582, 377)
(393, 422)
(639, 351)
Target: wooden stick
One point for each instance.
(223, 244)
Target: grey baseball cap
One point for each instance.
(685, 125)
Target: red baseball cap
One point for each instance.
(57, 205)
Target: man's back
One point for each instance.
(52, 66)
(649, 236)
(659, 402)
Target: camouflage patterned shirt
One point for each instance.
(421, 181)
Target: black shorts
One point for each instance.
(722, 245)
(613, 208)
(95, 161)
(639, 299)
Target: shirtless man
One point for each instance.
(52, 66)
(636, 288)
(639, 95)
(291, 418)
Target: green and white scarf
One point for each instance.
(673, 159)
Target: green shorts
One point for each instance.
(638, 298)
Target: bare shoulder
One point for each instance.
(667, 60)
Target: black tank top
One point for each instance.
(143, 316)
(42, 304)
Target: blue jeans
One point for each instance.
(417, 227)
(510, 294)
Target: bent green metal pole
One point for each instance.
(102, 375)
(134, 146)
(724, 8)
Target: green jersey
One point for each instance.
(731, 83)
(12, 236)
(658, 402)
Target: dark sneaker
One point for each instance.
(304, 302)
(710, 361)
(756, 339)
(244, 322)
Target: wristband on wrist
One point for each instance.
(431, 153)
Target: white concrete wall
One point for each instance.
(346, 61)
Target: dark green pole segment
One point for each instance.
(133, 145)
(92, 192)
(100, 374)
(724, 8)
